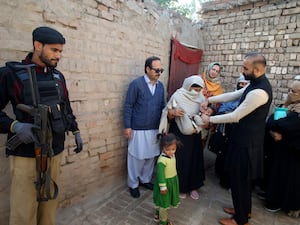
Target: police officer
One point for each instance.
(15, 88)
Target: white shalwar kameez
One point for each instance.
(143, 147)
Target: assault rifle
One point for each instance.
(42, 147)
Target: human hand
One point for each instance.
(205, 118)
(164, 192)
(24, 132)
(178, 112)
(172, 113)
(203, 106)
(128, 133)
(276, 136)
(78, 142)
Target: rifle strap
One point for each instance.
(49, 179)
(47, 187)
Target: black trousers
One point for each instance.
(240, 184)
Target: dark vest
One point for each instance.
(247, 136)
(50, 94)
(249, 131)
(49, 91)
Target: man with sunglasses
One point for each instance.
(142, 110)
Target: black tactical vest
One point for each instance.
(50, 94)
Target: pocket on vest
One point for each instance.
(57, 119)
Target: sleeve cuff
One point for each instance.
(12, 125)
(76, 132)
(163, 188)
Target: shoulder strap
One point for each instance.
(21, 73)
(13, 65)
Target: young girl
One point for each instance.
(166, 186)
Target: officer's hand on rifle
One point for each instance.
(78, 141)
(24, 132)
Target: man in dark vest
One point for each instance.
(245, 154)
(28, 205)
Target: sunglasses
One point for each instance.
(157, 70)
(293, 91)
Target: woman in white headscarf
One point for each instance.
(182, 114)
(283, 151)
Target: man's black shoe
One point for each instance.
(271, 208)
(134, 192)
(147, 185)
(261, 195)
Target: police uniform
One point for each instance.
(15, 88)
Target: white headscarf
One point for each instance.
(184, 99)
(186, 86)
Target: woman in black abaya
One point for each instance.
(283, 151)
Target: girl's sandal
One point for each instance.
(166, 223)
(156, 218)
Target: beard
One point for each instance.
(48, 62)
(249, 76)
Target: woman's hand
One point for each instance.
(203, 106)
(276, 136)
(164, 192)
(172, 113)
(205, 118)
(179, 112)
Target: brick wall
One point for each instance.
(233, 28)
(107, 44)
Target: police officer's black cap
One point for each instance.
(47, 35)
